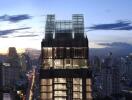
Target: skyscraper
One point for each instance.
(65, 72)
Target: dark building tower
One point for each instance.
(65, 72)
(12, 51)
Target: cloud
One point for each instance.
(119, 25)
(29, 35)
(10, 31)
(15, 18)
(115, 44)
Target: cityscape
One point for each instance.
(65, 50)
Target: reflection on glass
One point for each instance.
(68, 63)
(76, 95)
(46, 82)
(60, 98)
(46, 96)
(47, 63)
(47, 52)
(60, 80)
(58, 63)
(60, 93)
(46, 88)
(79, 63)
(59, 52)
(60, 87)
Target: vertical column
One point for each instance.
(69, 89)
(84, 88)
(88, 89)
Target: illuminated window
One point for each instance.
(76, 88)
(59, 98)
(60, 87)
(88, 82)
(89, 96)
(76, 94)
(77, 81)
(58, 63)
(88, 88)
(47, 52)
(68, 52)
(59, 52)
(46, 88)
(46, 82)
(60, 93)
(79, 63)
(46, 96)
(80, 52)
(68, 63)
(59, 80)
(47, 63)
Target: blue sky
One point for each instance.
(96, 12)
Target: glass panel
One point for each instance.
(76, 88)
(59, 98)
(76, 94)
(45, 96)
(47, 63)
(68, 52)
(59, 52)
(46, 82)
(76, 80)
(59, 80)
(46, 88)
(58, 63)
(88, 82)
(47, 52)
(88, 88)
(60, 87)
(89, 96)
(68, 63)
(79, 63)
(60, 93)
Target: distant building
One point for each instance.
(8, 78)
(65, 73)
(110, 77)
(25, 62)
(1, 65)
(11, 69)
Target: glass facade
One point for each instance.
(65, 57)
(65, 47)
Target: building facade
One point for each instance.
(65, 73)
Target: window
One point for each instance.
(46, 82)
(77, 63)
(78, 53)
(68, 52)
(60, 80)
(60, 87)
(47, 52)
(59, 52)
(68, 63)
(58, 63)
(47, 63)
(60, 93)
(46, 96)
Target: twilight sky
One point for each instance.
(22, 21)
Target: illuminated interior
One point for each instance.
(65, 48)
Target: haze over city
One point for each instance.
(22, 22)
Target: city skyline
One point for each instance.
(22, 22)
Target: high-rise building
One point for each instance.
(65, 73)
(25, 62)
(11, 72)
